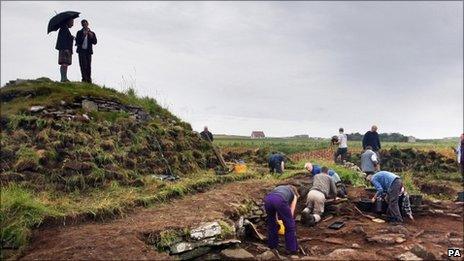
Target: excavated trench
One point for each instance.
(359, 238)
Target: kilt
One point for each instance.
(64, 57)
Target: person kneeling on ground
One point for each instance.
(391, 184)
(281, 202)
(316, 169)
(322, 189)
(276, 162)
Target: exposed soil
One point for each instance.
(123, 238)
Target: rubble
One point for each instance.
(422, 252)
(387, 238)
(342, 254)
(408, 256)
(236, 254)
(268, 255)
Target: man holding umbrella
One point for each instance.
(64, 43)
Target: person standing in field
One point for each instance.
(371, 138)
(64, 45)
(206, 134)
(85, 39)
(342, 146)
(459, 150)
(281, 203)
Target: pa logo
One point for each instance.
(454, 252)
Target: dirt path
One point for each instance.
(121, 238)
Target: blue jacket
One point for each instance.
(317, 169)
(382, 181)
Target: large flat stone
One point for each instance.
(236, 254)
(387, 238)
(268, 255)
(89, 106)
(206, 230)
(197, 252)
(343, 254)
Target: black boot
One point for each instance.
(64, 72)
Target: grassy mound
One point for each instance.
(62, 157)
(74, 154)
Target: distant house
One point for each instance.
(257, 135)
(411, 139)
(301, 136)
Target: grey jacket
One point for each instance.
(325, 184)
(367, 165)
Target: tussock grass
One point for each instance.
(20, 211)
(27, 159)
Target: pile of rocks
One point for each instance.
(89, 103)
(201, 240)
(69, 111)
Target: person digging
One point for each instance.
(315, 169)
(276, 163)
(390, 184)
(281, 203)
(323, 188)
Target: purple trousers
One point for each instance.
(275, 204)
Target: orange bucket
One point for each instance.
(240, 168)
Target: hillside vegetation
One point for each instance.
(63, 143)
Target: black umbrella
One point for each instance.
(57, 21)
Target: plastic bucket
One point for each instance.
(240, 168)
(281, 227)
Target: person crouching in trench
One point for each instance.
(281, 203)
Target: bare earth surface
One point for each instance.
(122, 238)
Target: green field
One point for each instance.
(294, 145)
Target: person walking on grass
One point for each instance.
(390, 184)
(281, 203)
(64, 45)
(323, 188)
(369, 161)
(371, 138)
(85, 39)
(342, 143)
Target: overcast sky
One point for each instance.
(282, 67)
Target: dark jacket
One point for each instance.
(207, 135)
(275, 159)
(64, 40)
(90, 42)
(371, 139)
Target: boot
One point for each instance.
(64, 72)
